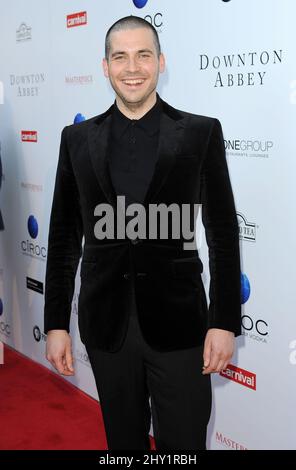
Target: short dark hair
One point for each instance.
(130, 22)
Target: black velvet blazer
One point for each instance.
(170, 295)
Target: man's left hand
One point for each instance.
(218, 350)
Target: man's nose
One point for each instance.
(132, 64)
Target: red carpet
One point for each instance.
(40, 410)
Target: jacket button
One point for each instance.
(127, 276)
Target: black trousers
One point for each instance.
(180, 395)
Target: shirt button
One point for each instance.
(127, 276)
(141, 275)
(133, 140)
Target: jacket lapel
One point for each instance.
(98, 139)
(172, 126)
(170, 135)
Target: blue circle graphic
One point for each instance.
(140, 3)
(245, 288)
(32, 226)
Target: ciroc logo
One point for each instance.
(140, 3)
(245, 288)
(32, 226)
(78, 118)
(28, 247)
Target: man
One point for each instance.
(142, 312)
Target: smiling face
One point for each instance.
(133, 68)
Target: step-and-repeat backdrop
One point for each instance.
(234, 60)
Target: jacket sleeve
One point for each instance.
(64, 244)
(222, 235)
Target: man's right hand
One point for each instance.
(59, 351)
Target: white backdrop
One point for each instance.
(234, 60)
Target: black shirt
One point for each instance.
(133, 152)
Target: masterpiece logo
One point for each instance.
(79, 80)
(240, 69)
(23, 33)
(227, 442)
(248, 148)
(76, 19)
(36, 188)
(241, 376)
(29, 136)
(27, 85)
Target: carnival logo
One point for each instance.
(241, 376)
(76, 19)
(29, 136)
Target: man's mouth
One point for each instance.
(133, 82)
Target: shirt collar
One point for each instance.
(149, 122)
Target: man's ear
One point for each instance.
(105, 67)
(161, 63)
